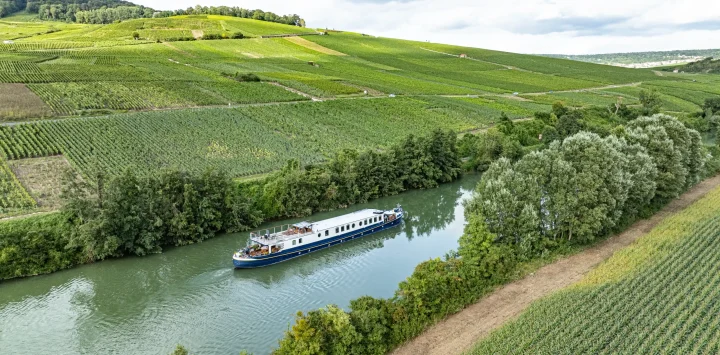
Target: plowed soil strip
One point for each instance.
(459, 332)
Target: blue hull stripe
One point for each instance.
(266, 260)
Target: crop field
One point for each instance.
(19, 103)
(13, 196)
(581, 99)
(659, 295)
(70, 70)
(69, 98)
(245, 141)
(42, 178)
(77, 69)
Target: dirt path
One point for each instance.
(460, 331)
(605, 87)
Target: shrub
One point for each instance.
(36, 245)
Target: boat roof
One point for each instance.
(345, 219)
(319, 225)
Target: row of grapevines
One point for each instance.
(657, 296)
(244, 141)
(26, 141)
(12, 195)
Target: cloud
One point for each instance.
(585, 26)
(524, 26)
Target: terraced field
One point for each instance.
(657, 296)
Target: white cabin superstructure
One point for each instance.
(297, 234)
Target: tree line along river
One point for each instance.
(193, 296)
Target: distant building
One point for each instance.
(8, 42)
(676, 71)
(463, 55)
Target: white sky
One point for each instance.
(530, 26)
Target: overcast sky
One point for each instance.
(530, 26)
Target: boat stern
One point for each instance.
(241, 261)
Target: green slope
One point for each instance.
(81, 70)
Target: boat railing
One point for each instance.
(277, 232)
(280, 232)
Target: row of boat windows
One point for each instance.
(342, 228)
(360, 224)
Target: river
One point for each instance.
(193, 296)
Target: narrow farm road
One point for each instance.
(605, 87)
(459, 332)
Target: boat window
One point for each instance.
(342, 229)
(300, 241)
(319, 235)
(348, 227)
(294, 241)
(353, 225)
(337, 230)
(327, 233)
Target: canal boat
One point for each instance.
(274, 245)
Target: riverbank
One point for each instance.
(196, 297)
(457, 333)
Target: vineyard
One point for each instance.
(656, 296)
(89, 69)
(13, 196)
(245, 141)
(159, 101)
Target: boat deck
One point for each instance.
(301, 229)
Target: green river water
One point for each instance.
(193, 296)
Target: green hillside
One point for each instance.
(247, 105)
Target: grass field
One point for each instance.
(657, 296)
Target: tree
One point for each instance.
(559, 110)
(505, 124)
(675, 150)
(570, 123)
(651, 101)
(324, 331)
(136, 36)
(180, 350)
(713, 105)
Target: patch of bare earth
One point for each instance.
(169, 45)
(314, 46)
(292, 90)
(197, 34)
(370, 91)
(42, 178)
(19, 102)
(459, 332)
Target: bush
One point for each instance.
(245, 77)
(36, 245)
(237, 35)
(136, 214)
(211, 36)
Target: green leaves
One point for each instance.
(581, 188)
